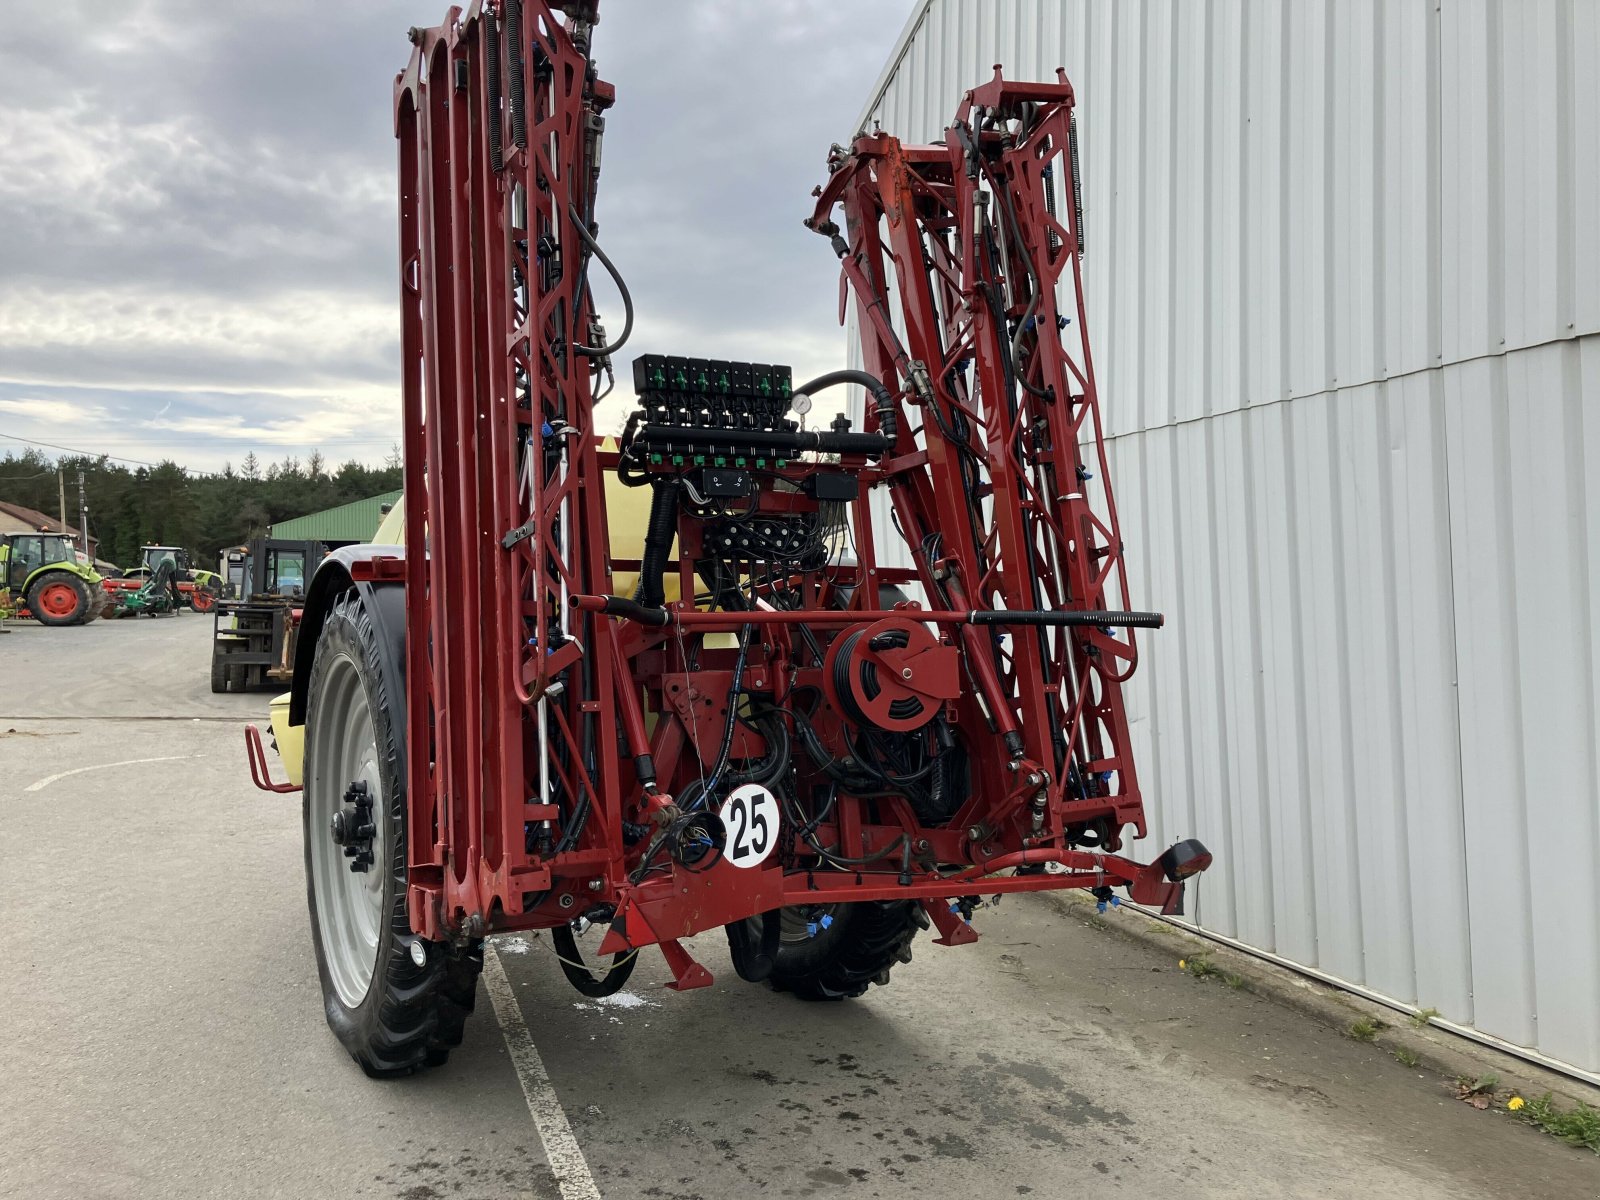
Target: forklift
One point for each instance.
(253, 635)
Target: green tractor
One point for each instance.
(42, 576)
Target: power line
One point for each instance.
(75, 450)
(243, 439)
(146, 463)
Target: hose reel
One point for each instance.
(893, 674)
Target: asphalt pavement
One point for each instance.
(163, 1033)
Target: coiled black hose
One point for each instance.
(491, 50)
(519, 120)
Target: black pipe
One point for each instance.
(880, 393)
(491, 51)
(1094, 617)
(519, 121)
(617, 606)
(616, 277)
(658, 536)
(1077, 180)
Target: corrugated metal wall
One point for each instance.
(1344, 269)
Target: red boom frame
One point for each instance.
(530, 707)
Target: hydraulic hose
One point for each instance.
(658, 537)
(514, 43)
(582, 227)
(880, 394)
(491, 51)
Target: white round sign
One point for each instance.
(750, 815)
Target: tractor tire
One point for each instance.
(835, 951)
(393, 1016)
(219, 672)
(59, 598)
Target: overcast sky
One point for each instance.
(197, 229)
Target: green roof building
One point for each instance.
(341, 526)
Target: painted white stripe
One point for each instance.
(129, 762)
(561, 1148)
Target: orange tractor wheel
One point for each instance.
(59, 599)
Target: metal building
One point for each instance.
(1344, 268)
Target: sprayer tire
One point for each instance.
(856, 949)
(392, 1016)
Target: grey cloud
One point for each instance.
(202, 167)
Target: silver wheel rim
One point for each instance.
(343, 749)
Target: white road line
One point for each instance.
(561, 1148)
(129, 762)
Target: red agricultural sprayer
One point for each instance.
(777, 731)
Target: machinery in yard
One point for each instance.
(818, 733)
(253, 637)
(155, 596)
(43, 577)
(196, 589)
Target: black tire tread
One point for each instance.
(866, 940)
(413, 1016)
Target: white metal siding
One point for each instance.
(1344, 277)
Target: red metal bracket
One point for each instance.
(953, 931)
(257, 754)
(686, 973)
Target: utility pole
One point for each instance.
(61, 494)
(83, 517)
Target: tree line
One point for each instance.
(168, 505)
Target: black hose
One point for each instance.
(491, 51)
(1077, 180)
(775, 765)
(616, 276)
(881, 394)
(734, 689)
(578, 972)
(519, 120)
(658, 537)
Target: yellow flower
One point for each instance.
(1183, 964)
(1515, 1103)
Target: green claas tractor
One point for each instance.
(41, 576)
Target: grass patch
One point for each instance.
(1234, 981)
(1199, 965)
(1405, 1058)
(1423, 1018)
(1365, 1029)
(1578, 1126)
